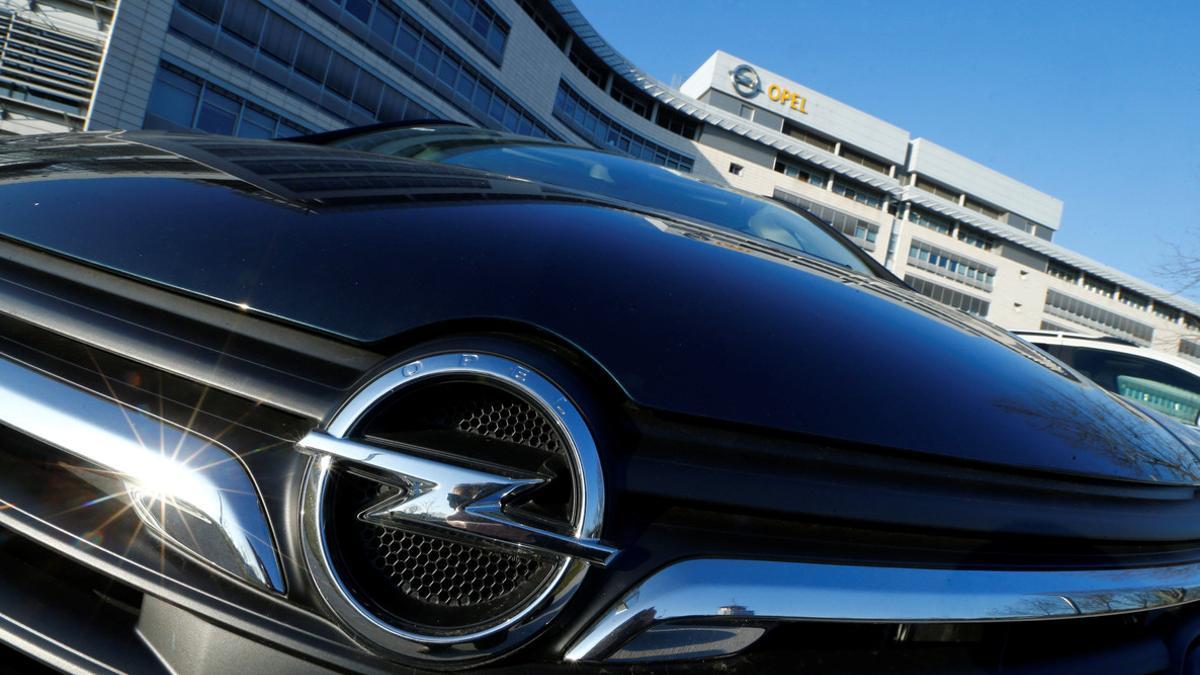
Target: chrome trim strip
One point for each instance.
(189, 489)
(719, 591)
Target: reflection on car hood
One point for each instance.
(686, 319)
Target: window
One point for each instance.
(1061, 271)
(975, 238)
(478, 22)
(218, 113)
(951, 265)
(244, 18)
(863, 160)
(1152, 383)
(1190, 348)
(935, 189)
(863, 232)
(980, 207)
(799, 171)
(342, 74)
(677, 122)
(746, 111)
(637, 101)
(1098, 286)
(736, 169)
(366, 94)
(209, 9)
(313, 58)
(1086, 314)
(256, 124)
(588, 64)
(948, 296)
(360, 9)
(928, 220)
(177, 95)
(585, 118)
(1165, 311)
(280, 38)
(384, 24)
(858, 193)
(1133, 299)
(173, 99)
(805, 136)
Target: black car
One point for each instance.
(281, 407)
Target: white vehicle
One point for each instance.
(1153, 379)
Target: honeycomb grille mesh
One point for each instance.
(504, 418)
(442, 572)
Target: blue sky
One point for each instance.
(1094, 102)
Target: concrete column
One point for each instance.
(139, 31)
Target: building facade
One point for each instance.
(955, 230)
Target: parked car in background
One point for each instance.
(289, 408)
(1166, 383)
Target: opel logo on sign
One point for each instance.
(746, 81)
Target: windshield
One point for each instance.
(613, 176)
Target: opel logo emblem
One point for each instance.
(746, 81)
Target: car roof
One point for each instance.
(1108, 344)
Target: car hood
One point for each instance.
(686, 319)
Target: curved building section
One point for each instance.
(956, 230)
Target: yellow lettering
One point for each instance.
(773, 92)
(803, 102)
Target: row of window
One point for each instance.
(1049, 325)
(813, 139)
(965, 233)
(1136, 300)
(808, 174)
(1107, 289)
(858, 193)
(948, 296)
(863, 160)
(863, 232)
(598, 73)
(1099, 286)
(1190, 349)
(181, 99)
(953, 266)
(283, 52)
(602, 130)
(419, 52)
(935, 189)
(477, 21)
(928, 220)
(1111, 323)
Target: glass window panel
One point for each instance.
(342, 73)
(209, 9)
(385, 23)
(360, 9)
(466, 85)
(313, 58)
(256, 124)
(428, 56)
(244, 18)
(407, 39)
(280, 38)
(366, 94)
(447, 71)
(392, 107)
(218, 113)
(174, 98)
